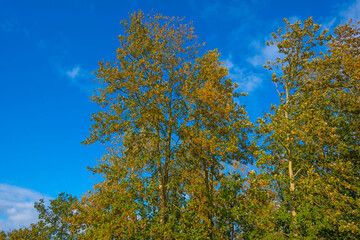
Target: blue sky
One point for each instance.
(49, 49)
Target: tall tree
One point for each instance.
(215, 136)
(171, 124)
(52, 222)
(312, 148)
(283, 153)
(331, 95)
(54, 216)
(34, 231)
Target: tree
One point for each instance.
(52, 221)
(216, 137)
(54, 216)
(311, 150)
(332, 88)
(171, 125)
(282, 151)
(34, 231)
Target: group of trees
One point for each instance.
(180, 147)
(51, 224)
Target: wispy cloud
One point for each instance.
(263, 54)
(343, 12)
(73, 73)
(17, 206)
(351, 12)
(341, 15)
(78, 77)
(7, 26)
(247, 80)
(328, 23)
(14, 25)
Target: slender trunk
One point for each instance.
(290, 168)
(162, 204)
(209, 199)
(165, 173)
(165, 177)
(162, 187)
(292, 189)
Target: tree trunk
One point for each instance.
(290, 168)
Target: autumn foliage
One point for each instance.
(185, 162)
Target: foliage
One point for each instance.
(180, 147)
(311, 148)
(54, 216)
(52, 221)
(173, 125)
(34, 231)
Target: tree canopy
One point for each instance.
(183, 160)
(173, 125)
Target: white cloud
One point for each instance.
(247, 80)
(264, 53)
(351, 12)
(17, 206)
(73, 73)
(228, 63)
(328, 23)
(343, 13)
(79, 77)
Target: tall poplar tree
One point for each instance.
(171, 125)
(283, 152)
(312, 148)
(330, 96)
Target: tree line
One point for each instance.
(183, 159)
